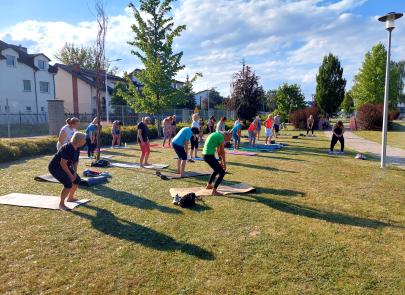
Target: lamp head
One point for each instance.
(389, 19)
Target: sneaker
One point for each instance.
(176, 200)
(190, 161)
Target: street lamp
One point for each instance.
(106, 86)
(389, 20)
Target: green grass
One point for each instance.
(316, 225)
(396, 135)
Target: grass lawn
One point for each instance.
(396, 135)
(317, 224)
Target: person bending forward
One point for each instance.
(215, 142)
(63, 167)
(180, 145)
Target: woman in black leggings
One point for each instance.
(215, 142)
(338, 131)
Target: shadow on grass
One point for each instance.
(129, 199)
(253, 166)
(109, 224)
(300, 210)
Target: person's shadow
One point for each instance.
(109, 224)
(129, 199)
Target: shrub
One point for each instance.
(370, 116)
(11, 150)
(299, 117)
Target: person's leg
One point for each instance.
(196, 147)
(182, 167)
(342, 144)
(71, 195)
(211, 160)
(178, 166)
(307, 130)
(88, 143)
(63, 178)
(312, 130)
(333, 142)
(142, 157)
(147, 153)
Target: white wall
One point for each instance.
(44, 76)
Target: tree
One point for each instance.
(186, 98)
(117, 98)
(369, 83)
(270, 100)
(400, 68)
(348, 103)
(215, 99)
(154, 36)
(289, 98)
(247, 94)
(330, 88)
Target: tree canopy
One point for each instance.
(369, 83)
(215, 99)
(330, 87)
(289, 97)
(247, 94)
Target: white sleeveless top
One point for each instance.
(69, 134)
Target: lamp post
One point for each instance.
(389, 20)
(106, 87)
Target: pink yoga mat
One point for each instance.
(240, 153)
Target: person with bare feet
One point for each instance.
(180, 145)
(215, 142)
(143, 140)
(167, 131)
(63, 167)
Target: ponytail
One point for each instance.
(71, 121)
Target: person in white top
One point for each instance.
(194, 139)
(67, 131)
(221, 125)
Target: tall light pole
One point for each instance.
(389, 20)
(107, 62)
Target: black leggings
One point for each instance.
(218, 170)
(90, 147)
(194, 143)
(335, 139)
(312, 129)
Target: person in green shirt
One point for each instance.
(215, 143)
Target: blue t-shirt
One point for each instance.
(91, 128)
(236, 127)
(183, 136)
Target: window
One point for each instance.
(41, 64)
(27, 85)
(44, 87)
(28, 109)
(42, 109)
(10, 60)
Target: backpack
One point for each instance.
(187, 200)
(100, 163)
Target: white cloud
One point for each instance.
(283, 40)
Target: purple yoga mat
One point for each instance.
(240, 153)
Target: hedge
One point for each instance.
(14, 149)
(299, 117)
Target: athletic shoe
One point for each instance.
(176, 200)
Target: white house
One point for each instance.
(77, 88)
(26, 80)
(199, 97)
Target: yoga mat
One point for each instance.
(263, 146)
(85, 151)
(136, 166)
(91, 181)
(239, 153)
(188, 174)
(37, 201)
(255, 149)
(196, 159)
(240, 188)
(102, 157)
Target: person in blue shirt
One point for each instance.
(236, 132)
(180, 145)
(91, 137)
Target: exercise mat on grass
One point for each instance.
(91, 181)
(240, 188)
(187, 174)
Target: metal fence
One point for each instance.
(23, 124)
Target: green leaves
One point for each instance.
(330, 88)
(289, 97)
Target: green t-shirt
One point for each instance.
(212, 142)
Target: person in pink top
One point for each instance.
(252, 132)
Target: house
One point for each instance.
(401, 109)
(27, 81)
(199, 97)
(77, 88)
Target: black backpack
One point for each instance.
(101, 163)
(187, 200)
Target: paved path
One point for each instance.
(395, 156)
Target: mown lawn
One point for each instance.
(396, 135)
(316, 225)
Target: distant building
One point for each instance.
(199, 97)
(401, 108)
(26, 80)
(77, 88)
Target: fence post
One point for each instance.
(8, 119)
(20, 118)
(122, 114)
(56, 115)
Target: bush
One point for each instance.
(299, 117)
(370, 116)
(14, 149)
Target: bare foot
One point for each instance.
(147, 164)
(209, 186)
(216, 193)
(62, 207)
(72, 200)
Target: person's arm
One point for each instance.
(62, 137)
(65, 168)
(75, 166)
(221, 154)
(186, 147)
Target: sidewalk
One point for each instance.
(395, 156)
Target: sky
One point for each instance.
(283, 40)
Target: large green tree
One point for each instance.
(330, 87)
(289, 97)
(348, 103)
(153, 45)
(247, 94)
(215, 99)
(369, 83)
(186, 97)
